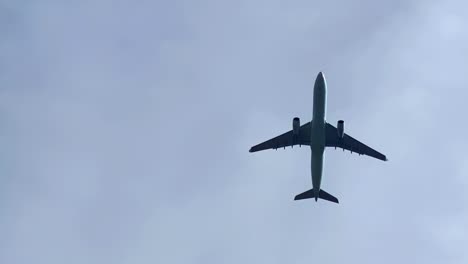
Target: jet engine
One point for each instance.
(296, 125)
(340, 128)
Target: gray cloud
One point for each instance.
(127, 125)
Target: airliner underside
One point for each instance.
(318, 134)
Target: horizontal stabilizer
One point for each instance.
(322, 195)
(326, 196)
(305, 195)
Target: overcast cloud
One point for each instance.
(126, 127)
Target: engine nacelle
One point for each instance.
(296, 125)
(340, 128)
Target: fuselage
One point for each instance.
(317, 140)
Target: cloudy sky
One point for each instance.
(126, 127)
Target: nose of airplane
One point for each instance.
(320, 76)
(320, 81)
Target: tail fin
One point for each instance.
(322, 195)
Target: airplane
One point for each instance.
(318, 134)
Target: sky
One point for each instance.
(126, 127)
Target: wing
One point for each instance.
(285, 140)
(349, 143)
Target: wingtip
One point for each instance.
(250, 150)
